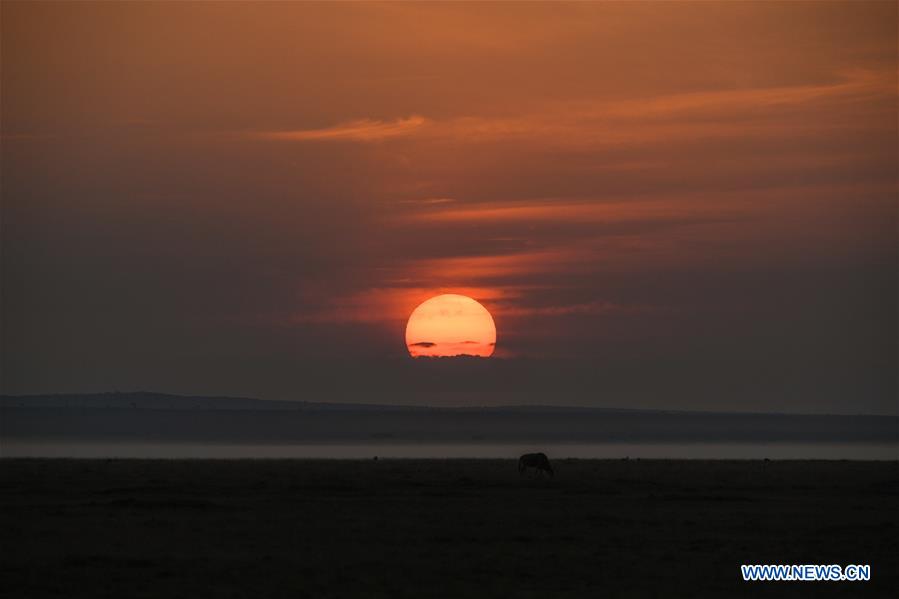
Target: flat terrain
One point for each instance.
(439, 528)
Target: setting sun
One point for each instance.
(450, 325)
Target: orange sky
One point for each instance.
(623, 183)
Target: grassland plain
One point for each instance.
(440, 528)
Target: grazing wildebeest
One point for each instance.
(538, 461)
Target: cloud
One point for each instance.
(587, 308)
(659, 119)
(364, 130)
(429, 201)
(391, 304)
(428, 344)
(586, 210)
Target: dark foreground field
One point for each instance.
(431, 528)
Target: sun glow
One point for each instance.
(450, 325)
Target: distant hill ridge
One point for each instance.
(149, 400)
(161, 417)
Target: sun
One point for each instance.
(450, 325)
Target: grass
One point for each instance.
(439, 528)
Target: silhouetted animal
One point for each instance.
(538, 461)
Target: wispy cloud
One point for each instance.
(587, 308)
(429, 201)
(391, 303)
(364, 130)
(706, 115)
(720, 113)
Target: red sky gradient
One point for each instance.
(220, 197)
